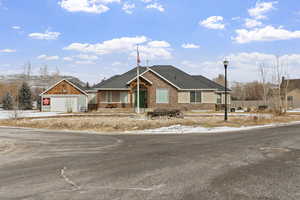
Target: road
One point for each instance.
(261, 164)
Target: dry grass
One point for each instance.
(119, 124)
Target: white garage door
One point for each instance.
(64, 104)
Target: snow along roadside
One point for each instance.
(179, 129)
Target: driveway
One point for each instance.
(261, 164)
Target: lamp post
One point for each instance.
(226, 109)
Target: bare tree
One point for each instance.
(44, 72)
(263, 75)
(280, 69)
(220, 79)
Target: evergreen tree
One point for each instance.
(24, 97)
(7, 101)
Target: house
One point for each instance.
(161, 86)
(290, 92)
(64, 96)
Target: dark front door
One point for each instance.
(143, 99)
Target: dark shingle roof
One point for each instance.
(209, 83)
(174, 75)
(119, 81)
(290, 84)
(77, 84)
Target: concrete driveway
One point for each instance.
(261, 164)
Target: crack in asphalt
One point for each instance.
(68, 180)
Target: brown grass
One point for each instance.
(119, 124)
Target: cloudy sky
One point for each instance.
(93, 39)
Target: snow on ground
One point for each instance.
(23, 114)
(179, 129)
(294, 110)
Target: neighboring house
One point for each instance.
(290, 90)
(64, 96)
(161, 86)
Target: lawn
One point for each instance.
(121, 124)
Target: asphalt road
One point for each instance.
(261, 164)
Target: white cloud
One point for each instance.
(213, 22)
(251, 23)
(190, 46)
(45, 36)
(157, 43)
(153, 53)
(16, 27)
(268, 33)
(146, 1)
(127, 7)
(87, 57)
(117, 45)
(45, 57)
(243, 66)
(261, 8)
(85, 62)
(67, 58)
(156, 6)
(7, 50)
(148, 49)
(89, 6)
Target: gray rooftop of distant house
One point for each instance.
(172, 74)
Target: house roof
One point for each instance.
(72, 82)
(169, 73)
(290, 84)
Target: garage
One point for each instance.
(64, 96)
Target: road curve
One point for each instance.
(261, 164)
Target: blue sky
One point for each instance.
(93, 39)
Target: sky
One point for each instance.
(93, 39)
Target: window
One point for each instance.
(195, 97)
(162, 96)
(108, 96)
(219, 98)
(124, 97)
(115, 97)
(290, 98)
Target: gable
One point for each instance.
(157, 80)
(64, 87)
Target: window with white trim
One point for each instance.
(195, 97)
(108, 96)
(124, 97)
(162, 95)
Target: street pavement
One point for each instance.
(262, 164)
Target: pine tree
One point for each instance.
(24, 97)
(7, 101)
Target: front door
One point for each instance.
(143, 99)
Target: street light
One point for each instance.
(226, 62)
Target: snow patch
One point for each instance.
(179, 129)
(28, 113)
